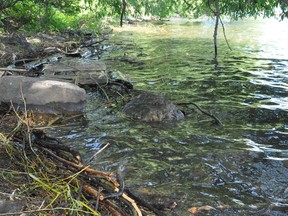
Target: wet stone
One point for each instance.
(152, 107)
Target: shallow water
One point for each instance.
(240, 168)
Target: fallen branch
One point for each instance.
(13, 70)
(143, 203)
(119, 191)
(76, 53)
(133, 203)
(53, 144)
(82, 167)
(92, 191)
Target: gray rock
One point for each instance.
(8, 206)
(42, 95)
(80, 72)
(152, 107)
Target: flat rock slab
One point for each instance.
(78, 71)
(42, 95)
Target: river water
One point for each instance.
(240, 168)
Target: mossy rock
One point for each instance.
(152, 107)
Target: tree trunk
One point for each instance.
(217, 14)
(123, 12)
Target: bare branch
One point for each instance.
(224, 33)
(188, 4)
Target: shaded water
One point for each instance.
(240, 168)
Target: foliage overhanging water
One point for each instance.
(242, 165)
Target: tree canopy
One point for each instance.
(43, 12)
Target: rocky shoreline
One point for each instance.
(56, 85)
(51, 84)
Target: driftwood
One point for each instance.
(13, 69)
(79, 175)
(92, 191)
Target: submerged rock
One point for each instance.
(152, 107)
(42, 95)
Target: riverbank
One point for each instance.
(54, 172)
(28, 155)
(20, 48)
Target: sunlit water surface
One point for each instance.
(239, 168)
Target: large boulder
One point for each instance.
(152, 107)
(42, 95)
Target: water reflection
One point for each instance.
(240, 168)
(269, 151)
